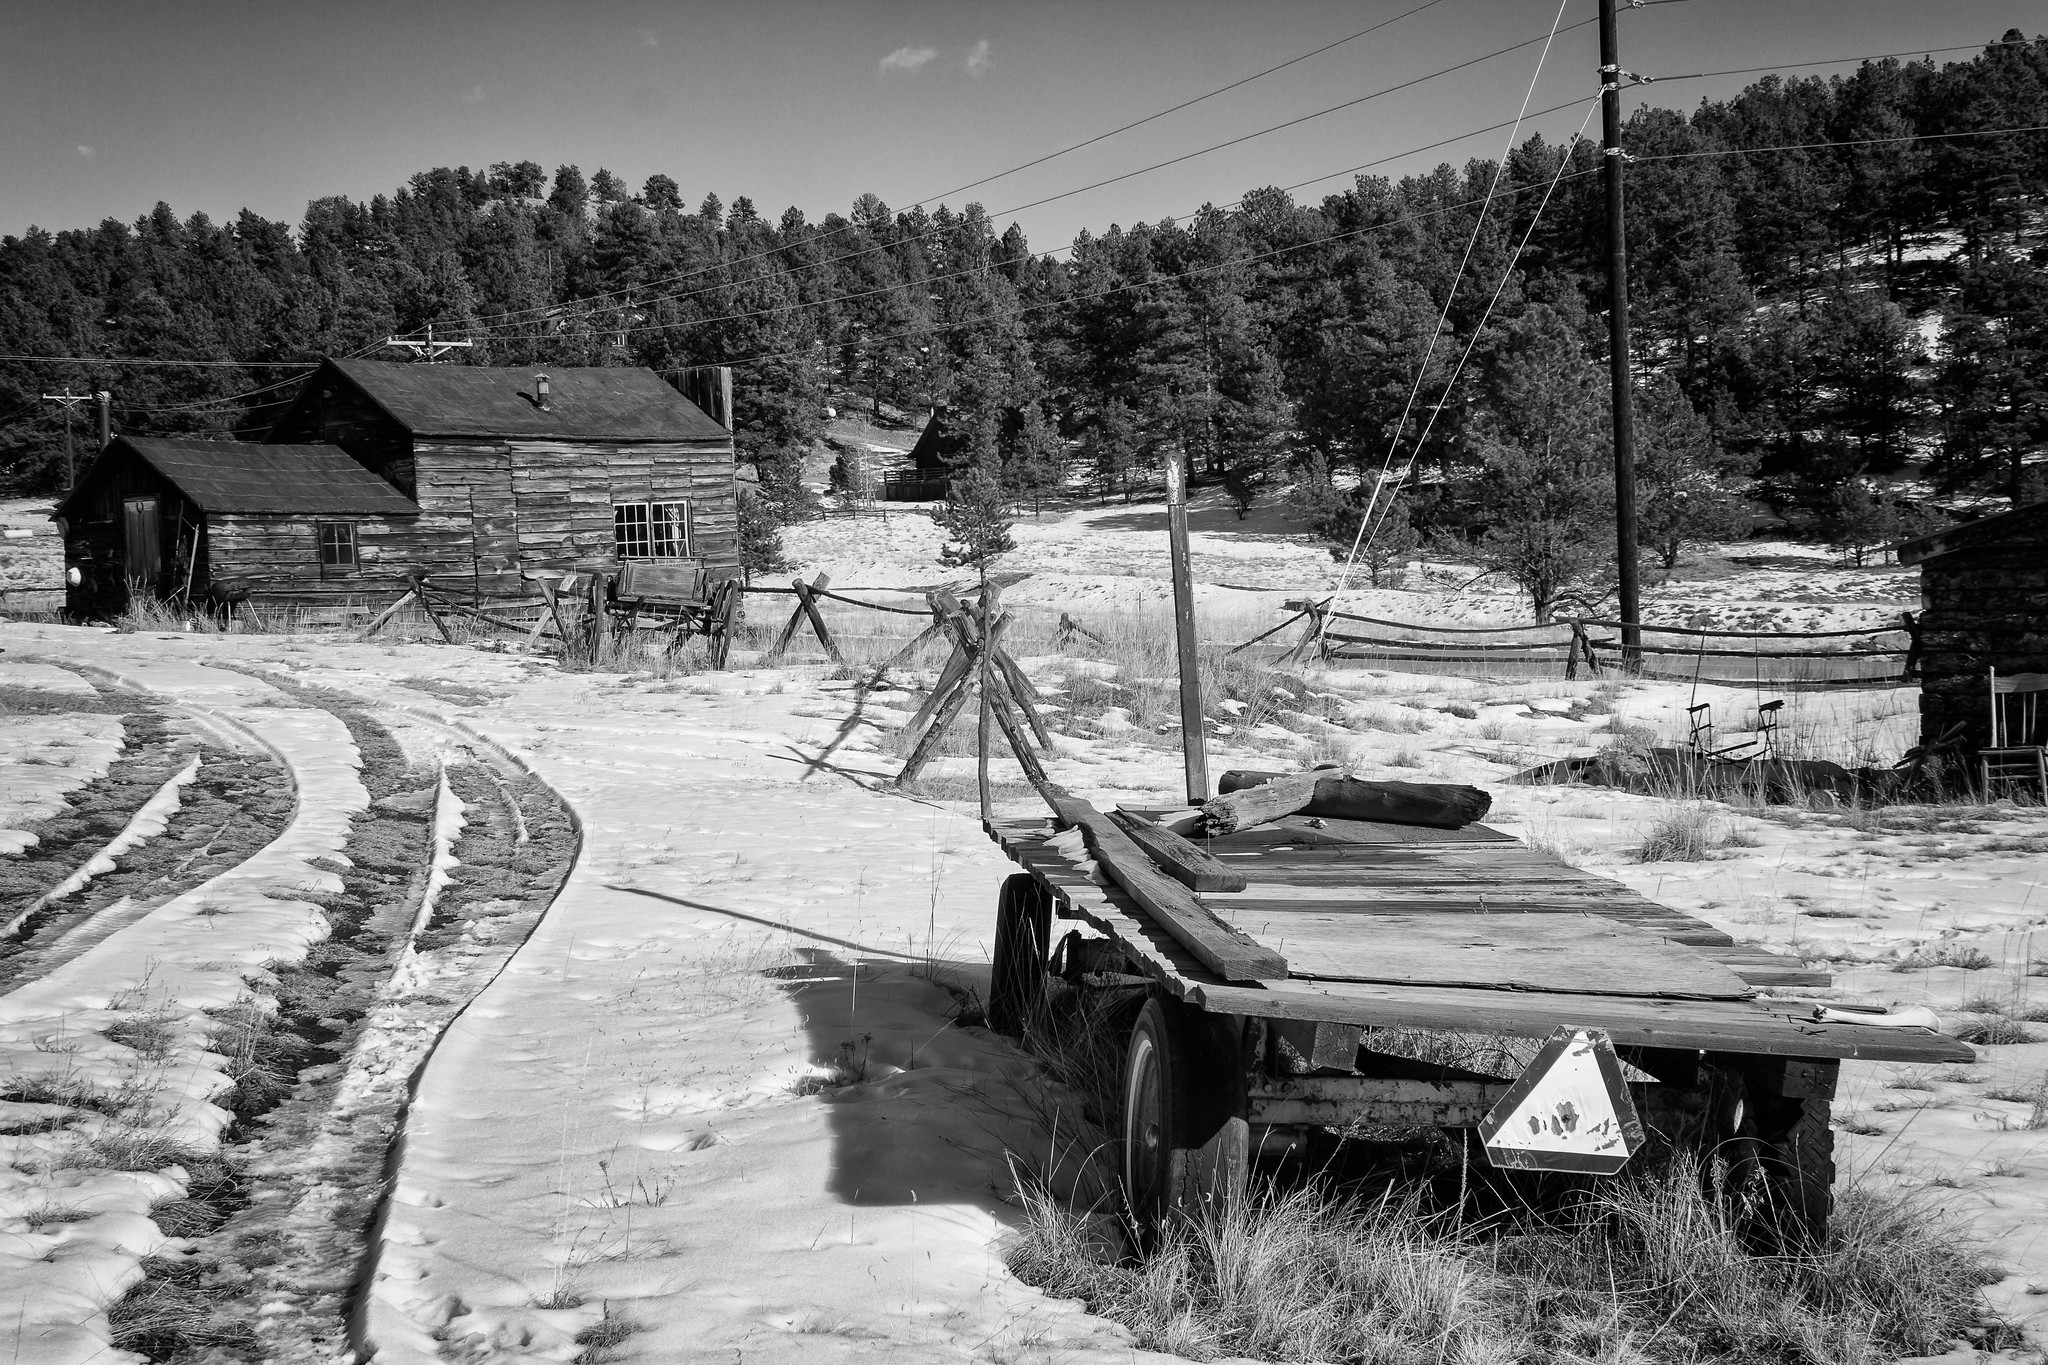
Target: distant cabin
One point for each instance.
(525, 468)
(189, 519)
(379, 471)
(940, 448)
(1984, 600)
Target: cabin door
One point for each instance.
(143, 522)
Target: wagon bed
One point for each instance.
(1467, 930)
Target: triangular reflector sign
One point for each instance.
(1570, 1111)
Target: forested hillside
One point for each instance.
(1840, 297)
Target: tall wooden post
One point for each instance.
(1628, 584)
(1193, 754)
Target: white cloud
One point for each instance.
(977, 58)
(84, 150)
(908, 58)
(648, 38)
(473, 95)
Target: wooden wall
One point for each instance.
(96, 542)
(278, 555)
(341, 414)
(1983, 608)
(548, 504)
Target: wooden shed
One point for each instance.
(174, 519)
(1984, 600)
(516, 469)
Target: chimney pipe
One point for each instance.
(540, 389)
(102, 403)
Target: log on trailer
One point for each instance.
(1255, 798)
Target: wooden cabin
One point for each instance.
(192, 519)
(517, 469)
(1984, 600)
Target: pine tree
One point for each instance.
(976, 517)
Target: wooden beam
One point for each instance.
(1231, 954)
(1254, 798)
(796, 615)
(1183, 860)
(806, 599)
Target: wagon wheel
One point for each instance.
(1773, 1169)
(1186, 1142)
(1016, 982)
(723, 607)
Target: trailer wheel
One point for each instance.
(1016, 979)
(1186, 1141)
(1776, 1162)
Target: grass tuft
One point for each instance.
(1645, 1268)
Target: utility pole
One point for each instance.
(1618, 345)
(70, 401)
(1194, 756)
(429, 350)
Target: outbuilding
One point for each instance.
(516, 469)
(191, 519)
(1984, 600)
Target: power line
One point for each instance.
(131, 360)
(1832, 61)
(1850, 142)
(612, 295)
(1044, 255)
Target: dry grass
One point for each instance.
(1643, 1269)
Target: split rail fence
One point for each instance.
(1871, 657)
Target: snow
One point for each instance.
(193, 953)
(148, 822)
(44, 758)
(718, 1091)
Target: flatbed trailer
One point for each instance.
(1388, 931)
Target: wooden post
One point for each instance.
(809, 607)
(1621, 382)
(981, 738)
(600, 618)
(419, 588)
(1194, 757)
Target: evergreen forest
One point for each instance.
(1839, 300)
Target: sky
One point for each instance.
(111, 107)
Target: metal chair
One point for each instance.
(2017, 756)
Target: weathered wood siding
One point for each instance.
(1983, 608)
(489, 509)
(278, 555)
(343, 415)
(95, 538)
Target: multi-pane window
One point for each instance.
(651, 530)
(337, 545)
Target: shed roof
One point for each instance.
(584, 402)
(2021, 524)
(236, 476)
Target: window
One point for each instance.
(337, 545)
(651, 530)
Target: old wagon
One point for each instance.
(1386, 932)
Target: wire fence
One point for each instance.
(1871, 657)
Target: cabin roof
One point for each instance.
(236, 476)
(584, 402)
(2022, 524)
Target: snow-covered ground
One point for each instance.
(717, 1096)
(1113, 557)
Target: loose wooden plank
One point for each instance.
(1231, 954)
(1186, 862)
(1714, 1026)
(1247, 799)
(1556, 954)
(1300, 832)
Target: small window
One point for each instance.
(337, 545)
(651, 530)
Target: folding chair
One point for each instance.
(2017, 756)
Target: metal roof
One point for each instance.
(584, 402)
(235, 476)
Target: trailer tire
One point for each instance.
(1186, 1142)
(1016, 978)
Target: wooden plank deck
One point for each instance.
(1468, 931)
